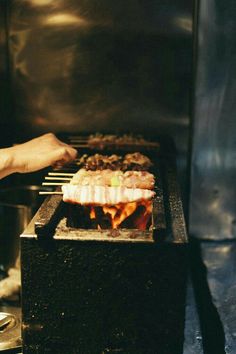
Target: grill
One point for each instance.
(88, 290)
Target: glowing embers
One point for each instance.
(135, 215)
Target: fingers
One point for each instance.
(63, 155)
(42, 152)
(56, 152)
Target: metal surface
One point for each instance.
(10, 334)
(220, 262)
(192, 333)
(101, 66)
(17, 207)
(213, 195)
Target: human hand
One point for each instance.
(36, 154)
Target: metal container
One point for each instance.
(17, 206)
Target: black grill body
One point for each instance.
(106, 291)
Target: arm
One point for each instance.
(34, 155)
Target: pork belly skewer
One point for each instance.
(104, 195)
(107, 187)
(101, 195)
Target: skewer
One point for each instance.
(79, 145)
(105, 144)
(53, 184)
(61, 174)
(58, 178)
(65, 169)
(50, 193)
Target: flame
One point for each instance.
(112, 210)
(92, 213)
(141, 222)
(119, 212)
(135, 215)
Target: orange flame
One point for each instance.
(135, 214)
(141, 222)
(92, 213)
(118, 213)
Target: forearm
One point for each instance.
(35, 154)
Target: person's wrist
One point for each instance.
(7, 161)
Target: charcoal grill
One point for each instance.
(92, 291)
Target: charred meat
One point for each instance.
(135, 162)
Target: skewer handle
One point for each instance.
(53, 184)
(79, 145)
(50, 193)
(58, 178)
(61, 174)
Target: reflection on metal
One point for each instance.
(213, 197)
(220, 261)
(10, 329)
(192, 333)
(101, 66)
(184, 23)
(40, 2)
(64, 20)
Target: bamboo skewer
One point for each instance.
(53, 184)
(50, 193)
(61, 174)
(58, 178)
(105, 144)
(81, 141)
(80, 145)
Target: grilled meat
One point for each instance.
(128, 179)
(135, 162)
(101, 141)
(103, 195)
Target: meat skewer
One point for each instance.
(104, 195)
(129, 179)
(101, 141)
(106, 180)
